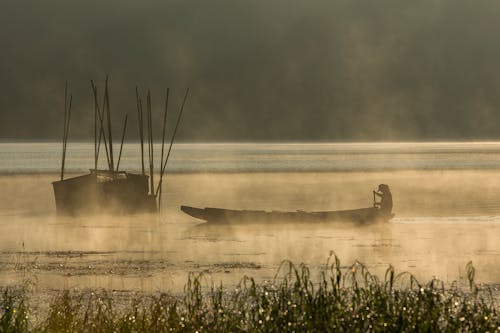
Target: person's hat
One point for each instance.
(383, 187)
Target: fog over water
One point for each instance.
(293, 105)
(445, 217)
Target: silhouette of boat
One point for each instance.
(380, 212)
(104, 191)
(112, 190)
(221, 215)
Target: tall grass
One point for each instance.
(348, 299)
(13, 311)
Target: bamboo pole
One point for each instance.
(64, 128)
(66, 133)
(163, 167)
(67, 124)
(150, 143)
(102, 120)
(164, 126)
(96, 154)
(110, 136)
(102, 134)
(141, 126)
(67, 130)
(67, 116)
(163, 145)
(121, 145)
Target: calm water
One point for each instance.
(249, 157)
(446, 200)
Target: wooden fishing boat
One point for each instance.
(103, 191)
(111, 190)
(379, 212)
(220, 215)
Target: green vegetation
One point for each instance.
(13, 312)
(348, 299)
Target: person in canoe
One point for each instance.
(385, 204)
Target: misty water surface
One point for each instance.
(446, 201)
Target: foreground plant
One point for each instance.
(13, 312)
(348, 299)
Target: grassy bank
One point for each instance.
(345, 299)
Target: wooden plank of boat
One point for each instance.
(104, 191)
(220, 215)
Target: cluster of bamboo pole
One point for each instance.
(164, 157)
(99, 129)
(103, 133)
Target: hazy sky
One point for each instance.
(258, 70)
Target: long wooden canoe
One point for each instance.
(220, 215)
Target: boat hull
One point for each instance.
(100, 193)
(220, 215)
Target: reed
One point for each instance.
(13, 312)
(342, 299)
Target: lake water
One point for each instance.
(263, 157)
(446, 201)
